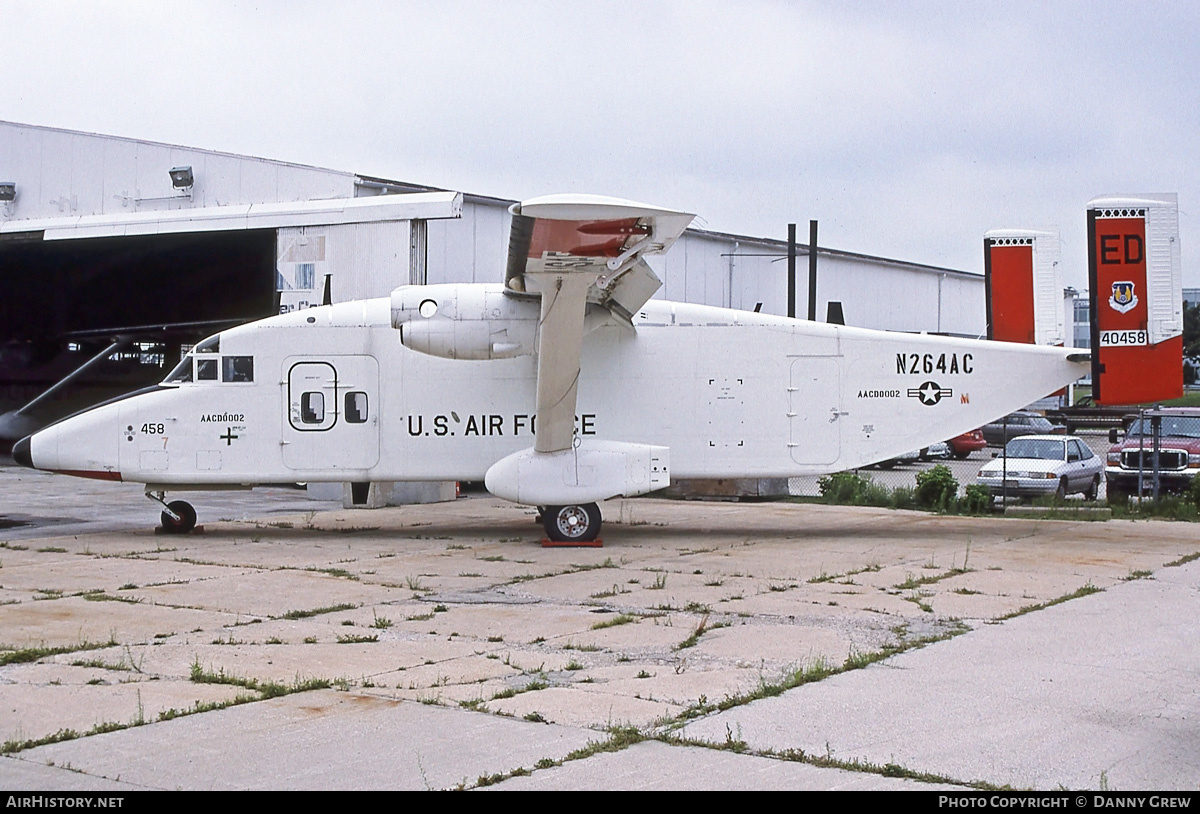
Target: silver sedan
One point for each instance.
(1035, 465)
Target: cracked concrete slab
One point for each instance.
(455, 611)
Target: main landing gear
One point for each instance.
(571, 524)
(178, 516)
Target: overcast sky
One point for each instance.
(908, 129)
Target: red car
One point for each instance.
(963, 445)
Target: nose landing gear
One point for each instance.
(178, 516)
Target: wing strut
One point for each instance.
(576, 252)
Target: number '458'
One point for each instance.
(153, 429)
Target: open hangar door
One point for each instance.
(63, 302)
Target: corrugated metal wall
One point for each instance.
(62, 173)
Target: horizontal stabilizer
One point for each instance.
(602, 238)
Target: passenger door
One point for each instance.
(331, 413)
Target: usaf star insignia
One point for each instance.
(930, 393)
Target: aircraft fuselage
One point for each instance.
(331, 394)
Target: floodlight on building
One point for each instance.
(182, 178)
(8, 191)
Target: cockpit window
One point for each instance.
(206, 370)
(210, 345)
(237, 369)
(182, 372)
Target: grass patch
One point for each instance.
(28, 654)
(266, 689)
(533, 686)
(305, 614)
(619, 737)
(616, 589)
(916, 582)
(263, 691)
(334, 572)
(701, 628)
(608, 563)
(1087, 589)
(815, 670)
(1167, 507)
(824, 577)
(582, 648)
(100, 596)
(358, 639)
(1184, 560)
(619, 619)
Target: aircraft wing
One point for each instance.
(572, 250)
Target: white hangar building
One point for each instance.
(103, 236)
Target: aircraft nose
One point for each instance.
(21, 454)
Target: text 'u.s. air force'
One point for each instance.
(489, 424)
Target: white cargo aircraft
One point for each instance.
(561, 387)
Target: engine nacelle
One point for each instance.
(465, 321)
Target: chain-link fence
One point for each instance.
(1156, 454)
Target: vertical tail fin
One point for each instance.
(1136, 289)
(1024, 287)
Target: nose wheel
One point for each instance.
(572, 524)
(178, 516)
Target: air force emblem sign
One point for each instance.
(1123, 300)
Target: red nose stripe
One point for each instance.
(89, 473)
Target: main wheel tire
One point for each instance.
(1093, 490)
(186, 521)
(572, 524)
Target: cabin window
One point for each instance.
(206, 370)
(237, 369)
(312, 408)
(356, 407)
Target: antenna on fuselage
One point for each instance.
(327, 297)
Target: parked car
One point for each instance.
(1035, 465)
(963, 445)
(1019, 423)
(934, 452)
(1178, 453)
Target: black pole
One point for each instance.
(812, 270)
(791, 311)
